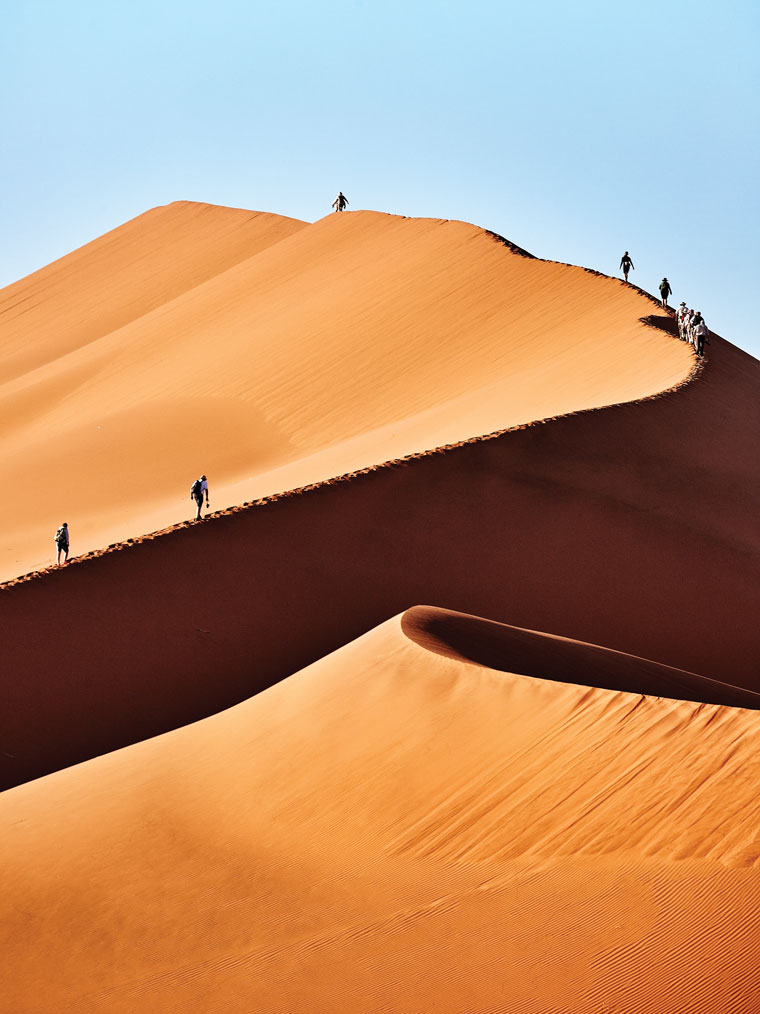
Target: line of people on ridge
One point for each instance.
(692, 328)
(691, 323)
(198, 491)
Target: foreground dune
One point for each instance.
(270, 354)
(397, 829)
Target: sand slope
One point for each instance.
(395, 829)
(269, 354)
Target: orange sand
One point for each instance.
(269, 354)
(394, 829)
(448, 813)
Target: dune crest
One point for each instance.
(529, 652)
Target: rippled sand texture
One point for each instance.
(537, 794)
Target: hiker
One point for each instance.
(197, 491)
(696, 320)
(681, 320)
(626, 264)
(341, 202)
(62, 543)
(701, 333)
(688, 317)
(665, 291)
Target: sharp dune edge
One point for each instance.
(541, 797)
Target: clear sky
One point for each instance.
(575, 130)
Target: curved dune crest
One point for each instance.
(511, 649)
(330, 842)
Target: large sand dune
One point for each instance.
(269, 354)
(448, 813)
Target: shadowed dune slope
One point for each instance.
(395, 828)
(270, 354)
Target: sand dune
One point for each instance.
(394, 829)
(270, 354)
(537, 795)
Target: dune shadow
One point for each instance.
(531, 653)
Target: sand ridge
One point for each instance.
(511, 649)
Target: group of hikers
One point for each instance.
(692, 328)
(691, 323)
(198, 491)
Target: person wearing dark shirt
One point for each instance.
(626, 264)
(62, 543)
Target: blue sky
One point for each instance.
(577, 131)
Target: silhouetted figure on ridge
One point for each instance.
(665, 291)
(62, 543)
(341, 202)
(626, 264)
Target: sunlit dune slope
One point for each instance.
(122, 276)
(269, 354)
(397, 829)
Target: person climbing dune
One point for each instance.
(341, 202)
(62, 543)
(665, 291)
(197, 491)
(681, 320)
(626, 264)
